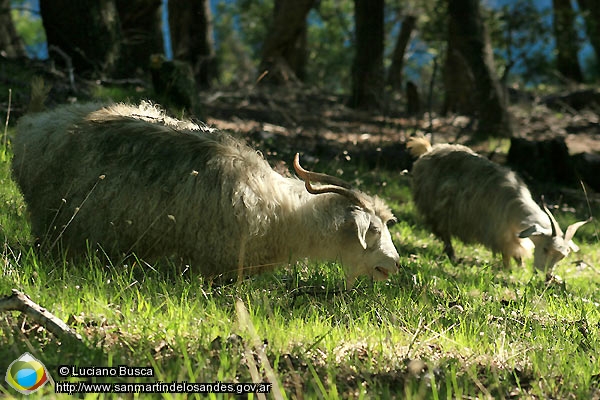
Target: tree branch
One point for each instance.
(19, 301)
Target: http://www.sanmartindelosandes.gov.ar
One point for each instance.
(27, 374)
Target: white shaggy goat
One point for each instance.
(461, 194)
(131, 179)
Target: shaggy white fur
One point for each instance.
(131, 179)
(461, 194)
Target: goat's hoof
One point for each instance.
(555, 281)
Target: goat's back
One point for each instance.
(131, 178)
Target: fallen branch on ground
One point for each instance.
(19, 301)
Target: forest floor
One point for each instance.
(312, 117)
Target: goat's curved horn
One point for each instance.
(333, 184)
(555, 227)
(317, 176)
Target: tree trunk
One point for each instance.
(141, 26)
(11, 45)
(567, 47)
(367, 69)
(284, 51)
(591, 14)
(190, 24)
(413, 100)
(86, 31)
(469, 74)
(395, 72)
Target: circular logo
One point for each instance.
(26, 374)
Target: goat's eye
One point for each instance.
(391, 223)
(375, 229)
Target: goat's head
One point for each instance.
(552, 245)
(367, 244)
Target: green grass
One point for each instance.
(435, 330)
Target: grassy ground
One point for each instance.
(434, 330)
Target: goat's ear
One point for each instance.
(362, 221)
(573, 246)
(573, 228)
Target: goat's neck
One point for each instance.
(314, 226)
(530, 214)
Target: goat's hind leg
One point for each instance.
(506, 260)
(448, 249)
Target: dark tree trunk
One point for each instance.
(469, 75)
(413, 100)
(141, 26)
(567, 47)
(86, 31)
(11, 45)
(190, 23)
(284, 51)
(591, 14)
(367, 69)
(542, 161)
(395, 72)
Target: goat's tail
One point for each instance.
(418, 146)
(39, 93)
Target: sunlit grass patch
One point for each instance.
(434, 330)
